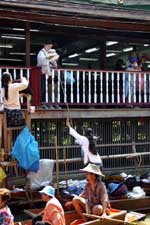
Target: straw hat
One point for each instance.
(4, 191)
(92, 168)
(48, 190)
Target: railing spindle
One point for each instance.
(78, 91)
(71, 87)
(101, 87)
(107, 80)
(95, 90)
(112, 84)
(83, 86)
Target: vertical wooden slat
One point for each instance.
(83, 86)
(134, 87)
(89, 85)
(95, 89)
(53, 87)
(28, 74)
(107, 80)
(1, 122)
(129, 87)
(71, 86)
(78, 91)
(146, 85)
(15, 74)
(21, 73)
(27, 43)
(118, 87)
(57, 165)
(124, 75)
(149, 86)
(0, 85)
(112, 85)
(101, 87)
(65, 87)
(58, 85)
(139, 86)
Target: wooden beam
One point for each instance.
(79, 21)
(80, 8)
(27, 39)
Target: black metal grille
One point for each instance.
(116, 138)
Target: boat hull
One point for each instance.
(131, 204)
(116, 217)
(71, 216)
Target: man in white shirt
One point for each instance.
(47, 60)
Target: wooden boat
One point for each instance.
(21, 199)
(112, 219)
(131, 204)
(117, 217)
(72, 216)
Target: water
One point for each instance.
(146, 221)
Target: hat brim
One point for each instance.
(44, 192)
(94, 172)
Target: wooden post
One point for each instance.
(135, 158)
(1, 131)
(27, 35)
(65, 166)
(57, 166)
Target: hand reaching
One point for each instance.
(68, 122)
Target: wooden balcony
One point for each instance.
(92, 88)
(95, 99)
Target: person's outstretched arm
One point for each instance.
(68, 122)
(79, 138)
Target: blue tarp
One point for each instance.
(26, 151)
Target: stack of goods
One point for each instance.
(145, 183)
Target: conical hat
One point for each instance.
(92, 168)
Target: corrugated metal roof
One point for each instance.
(73, 8)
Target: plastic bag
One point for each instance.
(69, 78)
(26, 151)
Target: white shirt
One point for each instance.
(13, 101)
(84, 143)
(43, 61)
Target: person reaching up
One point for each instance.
(88, 145)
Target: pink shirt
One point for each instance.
(97, 196)
(54, 213)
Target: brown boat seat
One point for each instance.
(25, 222)
(104, 220)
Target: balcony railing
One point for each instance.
(88, 87)
(101, 87)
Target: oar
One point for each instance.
(57, 165)
(65, 166)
